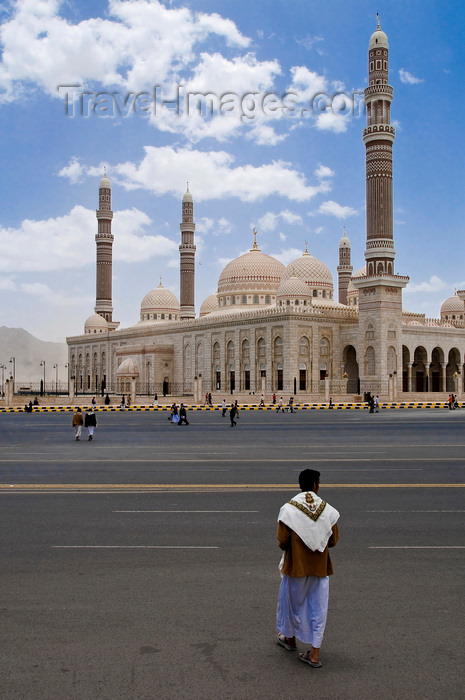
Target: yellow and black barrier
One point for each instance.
(242, 407)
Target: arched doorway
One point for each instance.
(351, 369)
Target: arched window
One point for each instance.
(278, 346)
(370, 361)
(304, 345)
(391, 360)
(324, 347)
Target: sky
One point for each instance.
(277, 146)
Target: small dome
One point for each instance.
(344, 242)
(95, 324)
(294, 287)
(128, 368)
(314, 273)
(378, 39)
(209, 305)
(159, 305)
(453, 304)
(105, 182)
(187, 197)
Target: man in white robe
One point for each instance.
(307, 528)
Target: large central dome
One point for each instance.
(251, 279)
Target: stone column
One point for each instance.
(72, 384)
(133, 391)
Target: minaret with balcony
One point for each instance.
(187, 258)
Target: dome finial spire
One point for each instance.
(306, 248)
(255, 246)
(378, 21)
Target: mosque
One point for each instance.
(275, 329)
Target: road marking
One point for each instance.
(423, 547)
(247, 460)
(415, 511)
(89, 488)
(184, 511)
(127, 546)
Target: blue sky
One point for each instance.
(294, 175)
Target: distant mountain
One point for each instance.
(29, 352)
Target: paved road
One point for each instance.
(144, 564)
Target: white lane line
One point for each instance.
(127, 546)
(415, 511)
(424, 547)
(184, 511)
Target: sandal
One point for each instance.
(306, 659)
(283, 642)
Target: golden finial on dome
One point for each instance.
(255, 246)
(161, 284)
(306, 248)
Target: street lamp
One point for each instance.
(43, 387)
(55, 367)
(3, 368)
(13, 360)
(67, 372)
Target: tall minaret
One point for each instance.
(344, 269)
(379, 344)
(187, 257)
(104, 241)
(378, 138)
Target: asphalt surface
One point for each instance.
(144, 564)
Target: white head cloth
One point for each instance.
(310, 518)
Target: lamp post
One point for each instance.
(67, 372)
(55, 367)
(43, 387)
(13, 360)
(3, 368)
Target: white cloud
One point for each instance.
(141, 44)
(434, 284)
(7, 284)
(269, 221)
(73, 171)
(282, 237)
(212, 175)
(323, 171)
(334, 209)
(408, 78)
(329, 121)
(286, 256)
(67, 241)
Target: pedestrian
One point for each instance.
(307, 527)
(273, 398)
(237, 409)
(210, 399)
(94, 403)
(182, 415)
(262, 401)
(90, 422)
(376, 403)
(232, 415)
(280, 405)
(36, 401)
(371, 403)
(174, 414)
(206, 398)
(290, 406)
(224, 408)
(128, 402)
(123, 402)
(155, 400)
(107, 400)
(77, 423)
(30, 407)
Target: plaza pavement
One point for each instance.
(144, 564)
